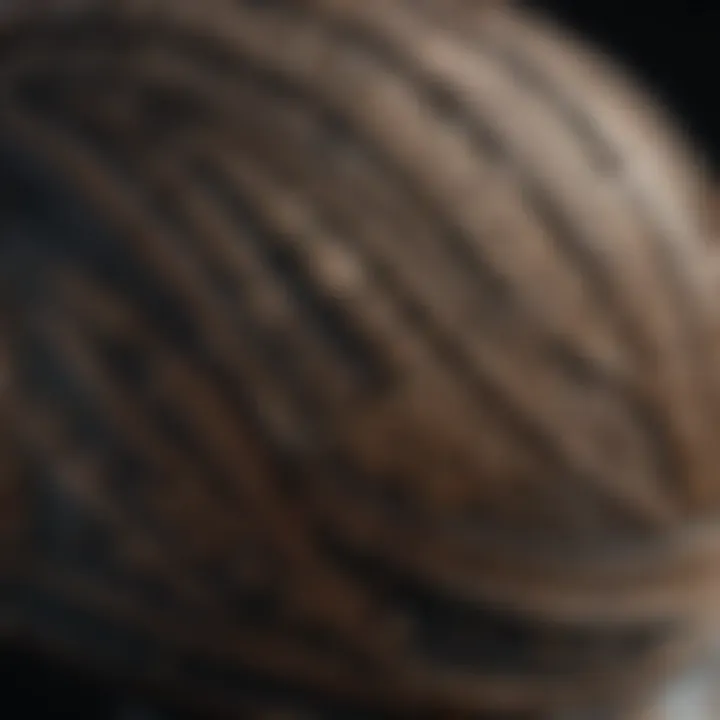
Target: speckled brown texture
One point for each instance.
(357, 359)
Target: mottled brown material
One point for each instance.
(357, 360)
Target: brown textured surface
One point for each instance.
(357, 358)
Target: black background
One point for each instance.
(673, 46)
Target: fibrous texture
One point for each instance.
(358, 358)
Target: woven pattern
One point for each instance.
(358, 359)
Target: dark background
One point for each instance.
(674, 48)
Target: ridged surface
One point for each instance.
(357, 358)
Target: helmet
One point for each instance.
(358, 359)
